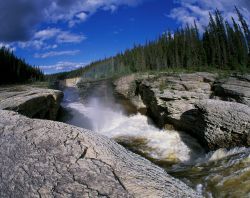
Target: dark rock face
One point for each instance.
(42, 158)
(31, 102)
(222, 124)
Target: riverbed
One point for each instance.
(222, 173)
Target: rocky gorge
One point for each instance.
(42, 158)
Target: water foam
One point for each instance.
(113, 123)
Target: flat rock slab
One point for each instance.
(30, 101)
(41, 158)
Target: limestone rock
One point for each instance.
(222, 124)
(30, 101)
(168, 97)
(41, 158)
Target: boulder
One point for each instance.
(41, 158)
(30, 101)
(221, 124)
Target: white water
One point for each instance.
(208, 173)
(109, 120)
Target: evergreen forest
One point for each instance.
(16, 70)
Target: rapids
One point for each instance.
(222, 173)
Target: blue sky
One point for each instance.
(61, 35)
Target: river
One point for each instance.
(222, 173)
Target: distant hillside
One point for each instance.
(16, 70)
(223, 45)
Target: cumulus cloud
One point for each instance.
(62, 66)
(190, 10)
(37, 45)
(59, 35)
(18, 18)
(57, 53)
(54, 36)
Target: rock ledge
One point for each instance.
(31, 102)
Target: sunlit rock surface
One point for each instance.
(168, 97)
(42, 158)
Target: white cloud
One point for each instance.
(59, 35)
(62, 66)
(37, 45)
(190, 10)
(50, 38)
(25, 15)
(67, 37)
(56, 53)
(47, 33)
(79, 18)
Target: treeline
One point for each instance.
(223, 45)
(16, 70)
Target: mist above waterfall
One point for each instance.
(101, 114)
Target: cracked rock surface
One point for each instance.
(41, 158)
